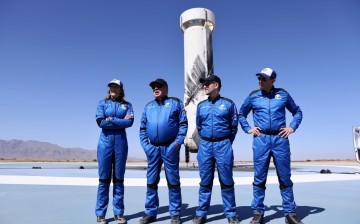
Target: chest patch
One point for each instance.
(222, 107)
(277, 97)
(123, 106)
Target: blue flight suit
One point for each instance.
(270, 115)
(163, 125)
(112, 153)
(216, 122)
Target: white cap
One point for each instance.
(115, 81)
(267, 73)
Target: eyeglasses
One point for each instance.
(262, 79)
(157, 87)
(208, 83)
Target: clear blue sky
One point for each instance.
(56, 58)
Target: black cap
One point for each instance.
(211, 78)
(160, 82)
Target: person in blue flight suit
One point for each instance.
(268, 105)
(162, 131)
(216, 122)
(113, 115)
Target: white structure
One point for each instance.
(356, 135)
(197, 25)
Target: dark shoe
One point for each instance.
(198, 220)
(147, 219)
(292, 219)
(101, 220)
(233, 220)
(175, 219)
(120, 219)
(258, 218)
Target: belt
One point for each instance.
(215, 139)
(163, 143)
(270, 132)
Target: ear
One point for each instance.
(216, 85)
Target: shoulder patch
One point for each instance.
(253, 92)
(227, 99)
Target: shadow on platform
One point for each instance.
(216, 212)
(245, 212)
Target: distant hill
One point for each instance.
(35, 150)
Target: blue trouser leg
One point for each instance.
(288, 202)
(228, 197)
(224, 157)
(282, 159)
(261, 157)
(153, 178)
(204, 201)
(105, 157)
(171, 158)
(206, 163)
(119, 166)
(102, 199)
(152, 202)
(118, 201)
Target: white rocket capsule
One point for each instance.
(197, 25)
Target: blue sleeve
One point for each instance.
(295, 111)
(234, 122)
(183, 124)
(198, 119)
(243, 113)
(100, 112)
(144, 139)
(100, 117)
(124, 123)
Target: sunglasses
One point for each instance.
(262, 79)
(157, 87)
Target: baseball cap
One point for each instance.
(160, 82)
(267, 73)
(115, 81)
(211, 78)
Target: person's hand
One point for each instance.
(177, 146)
(128, 116)
(108, 118)
(255, 131)
(285, 132)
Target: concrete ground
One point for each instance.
(63, 193)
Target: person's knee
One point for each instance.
(173, 186)
(117, 181)
(206, 185)
(226, 184)
(105, 180)
(261, 185)
(284, 185)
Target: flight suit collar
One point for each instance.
(216, 99)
